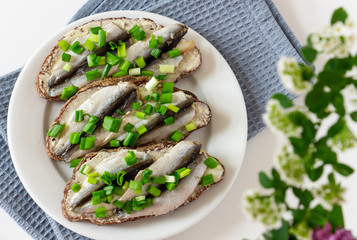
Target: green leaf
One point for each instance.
(300, 119)
(284, 101)
(340, 65)
(265, 180)
(300, 146)
(339, 15)
(343, 169)
(317, 101)
(318, 217)
(333, 79)
(338, 103)
(336, 128)
(305, 196)
(282, 233)
(324, 152)
(314, 173)
(309, 53)
(298, 215)
(306, 72)
(336, 217)
(331, 179)
(354, 116)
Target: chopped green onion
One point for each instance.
(167, 87)
(74, 162)
(139, 198)
(147, 73)
(96, 200)
(127, 207)
(158, 180)
(110, 198)
(111, 124)
(89, 127)
(93, 119)
(159, 39)
(118, 204)
(131, 139)
(122, 50)
(92, 180)
(125, 185)
(76, 47)
(207, 180)
(166, 98)
(155, 96)
(102, 61)
(120, 112)
(102, 38)
(168, 121)
(142, 129)
(89, 45)
(55, 130)
(173, 108)
(120, 74)
(106, 70)
(155, 52)
(137, 33)
(124, 65)
(113, 45)
(85, 169)
(162, 110)
(131, 158)
(99, 193)
(170, 186)
(174, 53)
(190, 127)
(66, 57)
(67, 67)
(74, 137)
(170, 178)
(120, 177)
(87, 143)
(153, 191)
(140, 62)
(134, 71)
(95, 30)
(148, 109)
(114, 143)
(136, 185)
(92, 60)
(101, 212)
(93, 175)
(135, 105)
(176, 136)
(108, 190)
(118, 191)
(183, 172)
(161, 77)
(78, 117)
(63, 45)
(112, 59)
(153, 42)
(211, 162)
(94, 74)
(75, 187)
(93, 37)
(151, 84)
(140, 115)
(166, 68)
(147, 98)
(128, 127)
(146, 176)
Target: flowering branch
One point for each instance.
(309, 154)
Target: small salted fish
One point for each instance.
(167, 159)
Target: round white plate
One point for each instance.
(225, 137)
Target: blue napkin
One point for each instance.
(250, 34)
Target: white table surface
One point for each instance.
(32, 22)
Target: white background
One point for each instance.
(25, 25)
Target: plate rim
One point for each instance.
(54, 37)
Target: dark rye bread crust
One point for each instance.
(109, 82)
(112, 220)
(49, 61)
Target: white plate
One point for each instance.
(225, 138)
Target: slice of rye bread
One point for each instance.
(109, 82)
(126, 23)
(113, 220)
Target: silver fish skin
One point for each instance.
(112, 164)
(114, 34)
(179, 156)
(170, 34)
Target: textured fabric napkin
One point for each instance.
(250, 34)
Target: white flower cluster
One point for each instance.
(336, 39)
(291, 75)
(263, 208)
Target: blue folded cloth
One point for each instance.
(250, 34)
